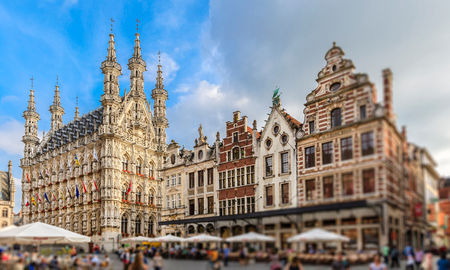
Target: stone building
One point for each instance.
(99, 174)
(7, 193)
(351, 159)
(190, 194)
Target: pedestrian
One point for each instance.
(377, 264)
(294, 265)
(443, 263)
(158, 262)
(226, 255)
(138, 263)
(275, 263)
(339, 263)
(395, 260)
(418, 258)
(385, 251)
(427, 263)
(409, 262)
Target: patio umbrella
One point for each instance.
(168, 239)
(41, 233)
(251, 237)
(318, 235)
(203, 238)
(138, 239)
(8, 228)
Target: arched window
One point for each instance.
(139, 167)
(151, 170)
(125, 164)
(150, 227)
(137, 227)
(151, 198)
(124, 224)
(336, 117)
(125, 193)
(138, 195)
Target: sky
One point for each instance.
(222, 56)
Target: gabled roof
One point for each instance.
(291, 120)
(76, 129)
(5, 192)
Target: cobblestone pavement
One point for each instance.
(172, 264)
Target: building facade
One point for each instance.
(7, 194)
(99, 174)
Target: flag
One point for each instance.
(28, 178)
(62, 195)
(275, 92)
(84, 188)
(95, 155)
(96, 188)
(77, 193)
(40, 174)
(45, 195)
(32, 200)
(68, 190)
(76, 160)
(129, 188)
(38, 197)
(54, 197)
(27, 204)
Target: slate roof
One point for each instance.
(86, 125)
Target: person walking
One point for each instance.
(138, 263)
(418, 258)
(339, 263)
(158, 262)
(275, 263)
(427, 263)
(443, 263)
(377, 264)
(294, 265)
(385, 251)
(395, 260)
(226, 255)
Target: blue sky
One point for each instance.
(219, 56)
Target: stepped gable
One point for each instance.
(86, 125)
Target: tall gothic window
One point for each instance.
(151, 198)
(151, 170)
(138, 167)
(124, 224)
(150, 227)
(125, 193)
(336, 117)
(138, 195)
(125, 164)
(137, 228)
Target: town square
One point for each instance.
(169, 134)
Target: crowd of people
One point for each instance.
(68, 258)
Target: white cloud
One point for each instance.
(11, 132)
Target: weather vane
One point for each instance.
(32, 81)
(112, 22)
(159, 57)
(57, 80)
(137, 25)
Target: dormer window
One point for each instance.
(236, 153)
(200, 155)
(172, 159)
(335, 86)
(334, 68)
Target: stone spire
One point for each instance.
(56, 110)
(159, 78)
(137, 66)
(77, 113)
(111, 49)
(30, 138)
(159, 96)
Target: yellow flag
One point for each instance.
(34, 202)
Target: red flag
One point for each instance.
(28, 178)
(129, 188)
(54, 196)
(84, 188)
(27, 204)
(96, 188)
(38, 197)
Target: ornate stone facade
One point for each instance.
(7, 192)
(99, 174)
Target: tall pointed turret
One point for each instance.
(111, 92)
(56, 110)
(159, 96)
(137, 66)
(30, 138)
(77, 113)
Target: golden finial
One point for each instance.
(159, 57)
(137, 25)
(57, 80)
(32, 82)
